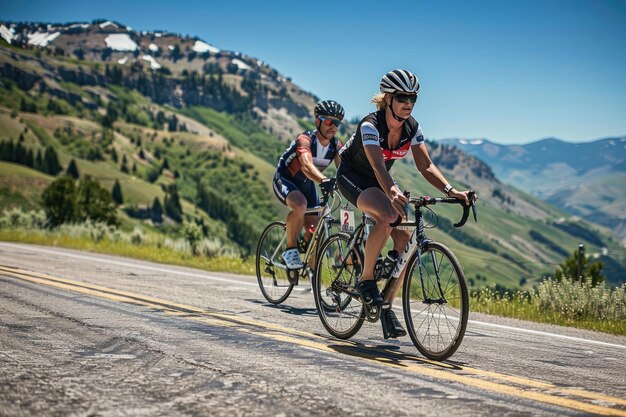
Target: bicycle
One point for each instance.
(275, 280)
(435, 299)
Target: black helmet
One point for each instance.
(329, 108)
(401, 81)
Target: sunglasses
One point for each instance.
(403, 98)
(329, 122)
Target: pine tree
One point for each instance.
(38, 164)
(30, 159)
(72, 170)
(124, 167)
(52, 164)
(591, 271)
(116, 193)
(173, 209)
(156, 211)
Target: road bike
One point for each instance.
(275, 280)
(435, 299)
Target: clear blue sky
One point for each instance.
(512, 72)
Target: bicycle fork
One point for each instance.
(429, 300)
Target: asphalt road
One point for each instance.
(93, 335)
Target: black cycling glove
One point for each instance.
(327, 185)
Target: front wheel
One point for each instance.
(336, 274)
(271, 271)
(435, 302)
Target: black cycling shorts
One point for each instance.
(351, 184)
(284, 184)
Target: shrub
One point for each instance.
(137, 237)
(576, 300)
(192, 233)
(59, 201)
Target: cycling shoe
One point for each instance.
(292, 259)
(369, 293)
(391, 325)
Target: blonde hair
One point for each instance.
(379, 101)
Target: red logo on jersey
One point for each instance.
(396, 153)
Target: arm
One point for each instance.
(303, 147)
(377, 162)
(431, 173)
(337, 159)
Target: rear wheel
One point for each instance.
(436, 302)
(336, 273)
(271, 272)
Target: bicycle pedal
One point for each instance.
(293, 276)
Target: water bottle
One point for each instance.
(389, 264)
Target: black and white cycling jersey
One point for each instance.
(289, 164)
(373, 131)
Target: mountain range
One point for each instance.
(585, 179)
(156, 110)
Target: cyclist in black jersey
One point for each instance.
(364, 179)
(300, 167)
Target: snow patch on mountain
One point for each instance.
(153, 47)
(202, 47)
(242, 65)
(108, 23)
(153, 62)
(122, 61)
(42, 38)
(120, 42)
(79, 25)
(6, 33)
(471, 141)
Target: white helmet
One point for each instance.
(399, 80)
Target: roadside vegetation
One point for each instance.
(564, 303)
(190, 248)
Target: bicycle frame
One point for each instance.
(321, 229)
(416, 243)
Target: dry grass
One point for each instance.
(564, 303)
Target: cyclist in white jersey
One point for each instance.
(364, 179)
(300, 168)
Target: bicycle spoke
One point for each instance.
(271, 272)
(436, 302)
(336, 274)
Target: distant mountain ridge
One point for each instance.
(585, 179)
(581, 157)
(276, 103)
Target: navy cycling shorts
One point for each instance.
(283, 185)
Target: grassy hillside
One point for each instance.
(222, 165)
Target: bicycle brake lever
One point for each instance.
(472, 198)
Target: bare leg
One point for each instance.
(400, 239)
(377, 205)
(295, 219)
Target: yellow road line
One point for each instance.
(399, 361)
